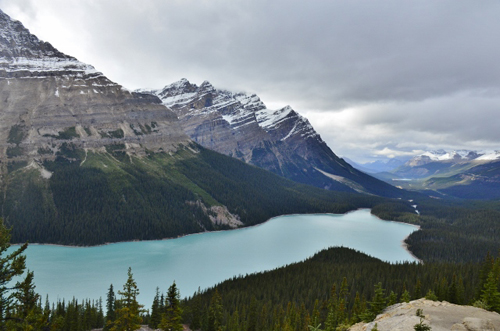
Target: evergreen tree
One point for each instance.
(331, 318)
(490, 294)
(172, 318)
(28, 313)
(155, 318)
(342, 302)
(431, 295)
(128, 315)
(100, 314)
(405, 297)
(378, 304)
(417, 291)
(392, 298)
(215, 312)
(196, 311)
(11, 265)
(110, 307)
(26, 296)
(452, 290)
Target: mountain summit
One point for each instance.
(23, 54)
(282, 141)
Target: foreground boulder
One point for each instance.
(438, 315)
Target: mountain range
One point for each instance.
(281, 141)
(460, 174)
(85, 161)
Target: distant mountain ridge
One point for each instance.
(281, 141)
(459, 174)
(441, 162)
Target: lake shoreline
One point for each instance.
(404, 245)
(201, 262)
(182, 236)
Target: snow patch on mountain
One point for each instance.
(453, 156)
(270, 118)
(441, 155)
(45, 64)
(22, 51)
(489, 156)
(236, 108)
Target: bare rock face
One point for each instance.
(439, 316)
(48, 99)
(281, 141)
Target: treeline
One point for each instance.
(338, 286)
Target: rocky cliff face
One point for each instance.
(48, 99)
(281, 141)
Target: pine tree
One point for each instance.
(11, 265)
(392, 298)
(490, 294)
(342, 302)
(452, 290)
(417, 291)
(215, 312)
(405, 297)
(172, 318)
(128, 315)
(155, 318)
(196, 311)
(110, 307)
(378, 304)
(28, 313)
(431, 295)
(100, 315)
(26, 296)
(331, 318)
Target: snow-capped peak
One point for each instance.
(22, 51)
(489, 156)
(268, 118)
(441, 155)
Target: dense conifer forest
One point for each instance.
(337, 286)
(450, 230)
(94, 198)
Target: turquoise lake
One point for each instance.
(203, 260)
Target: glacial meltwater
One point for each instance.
(203, 260)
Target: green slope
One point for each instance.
(97, 197)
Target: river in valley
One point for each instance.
(203, 260)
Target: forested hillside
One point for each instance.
(335, 288)
(450, 230)
(96, 197)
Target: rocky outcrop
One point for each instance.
(49, 99)
(281, 141)
(439, 316)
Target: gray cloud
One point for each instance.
(413, 74)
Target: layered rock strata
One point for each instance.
(48, 99)
(281, 141)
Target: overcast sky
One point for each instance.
(375, 78)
